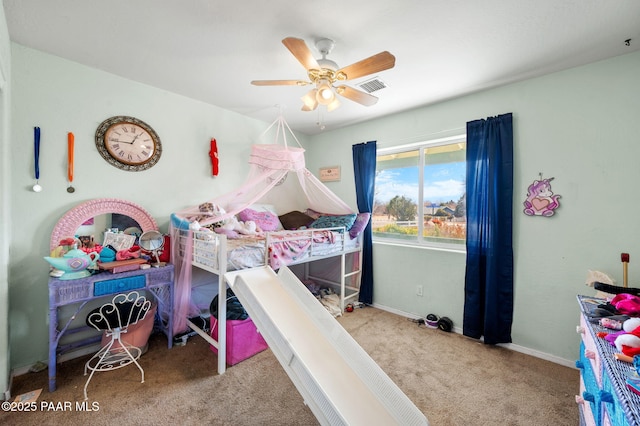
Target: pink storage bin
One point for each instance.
(243, 339)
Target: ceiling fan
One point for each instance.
(323, 73)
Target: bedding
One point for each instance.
(285, 250)
(346, 220)
(266, 220)
(295, 220)
(361, 222)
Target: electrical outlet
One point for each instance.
(419, 290)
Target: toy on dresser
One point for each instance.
(73, 264)
(622, 316)
(70, 261)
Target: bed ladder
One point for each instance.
(355, 271)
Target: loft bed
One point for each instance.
(216, 254)
(217, 237)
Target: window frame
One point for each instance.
(420, 242)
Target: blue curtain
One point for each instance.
(364, 169)
(488, 306)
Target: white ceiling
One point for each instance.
(211, 50)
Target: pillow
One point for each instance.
(265, 220)
(314, 214)
(346, 220)
(362, 220)
(295, 220)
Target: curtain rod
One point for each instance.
(420, 139)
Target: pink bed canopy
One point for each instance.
(278, 177)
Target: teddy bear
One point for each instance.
(232, 224)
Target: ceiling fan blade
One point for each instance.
(355, 95)
(301, 51)
(280, 83)
(376, 63)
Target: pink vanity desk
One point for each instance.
(157, 281)
(79, 292)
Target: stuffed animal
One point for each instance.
(131, 253)
(627, 340)
(207, 211)
(246, 228)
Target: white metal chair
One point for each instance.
(115, 317)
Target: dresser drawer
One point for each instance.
(590, 349)
(603, 375)
(612, 413)
(589, 388)
(584, 407)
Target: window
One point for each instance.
(433, 172)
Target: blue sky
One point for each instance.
(443, 182)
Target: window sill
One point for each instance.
(450, 249)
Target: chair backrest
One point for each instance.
(122, 311)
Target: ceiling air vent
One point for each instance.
(372, 85)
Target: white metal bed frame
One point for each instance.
(209, 252)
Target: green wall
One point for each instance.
(5, 228)
(578, 126)
(61, 96)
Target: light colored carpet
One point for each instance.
(453, 380)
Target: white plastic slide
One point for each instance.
(338, 380)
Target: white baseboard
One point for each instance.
(511, 346)
(83, 351)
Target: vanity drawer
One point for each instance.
(119, 285)
(68, 291)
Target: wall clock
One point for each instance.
(128, 143)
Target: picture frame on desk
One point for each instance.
(118, 241)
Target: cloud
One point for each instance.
(390, 183)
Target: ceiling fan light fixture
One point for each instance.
(309, 101)
(333, 105)
(325, 93)
(324, 73)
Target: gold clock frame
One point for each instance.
(104, 152)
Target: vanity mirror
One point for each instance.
(153, 241)
(68, 224)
